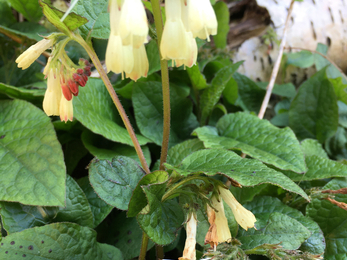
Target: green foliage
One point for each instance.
(222, 13)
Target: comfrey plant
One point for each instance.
(174, 165)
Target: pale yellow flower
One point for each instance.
(244, 217)
(66, 109)
(141, 64)
(51, 100)
(189, 252)
(33, 53)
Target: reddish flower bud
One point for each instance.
(80, 71)
(73, 87)
(85, 62)
(66, 92)
(85, 77)
(79, 79)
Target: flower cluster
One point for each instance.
(185, 20)
(219, 230)
(125, 51)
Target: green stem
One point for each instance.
(115, 99)
(144, 245)
(165, 84)
(166, 98)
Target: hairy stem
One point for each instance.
(115, 99)
(276, 66)
(144, 246)
(166, 98)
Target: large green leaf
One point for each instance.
(95, 110)
(6, 16)
(148, 106)
(125, 234)
(332, 220)
(211, 95)
(302, 59)
(249, 92)
(313, 147)
(31, 95)
(99, 208)
(262, 207)
(109, 149)
(196, 77)
(257, 138)
(279, 228)
(138, 200)
(222, 12)
(284, 90)
(24, 31)
(180, 151)
(340, 89)
(98, 25)
(17, 217)
(114, 181)
(30, 9)
(319, 168)
(163, 220)
(247, 172)
(56, 241)
(314, 112)
(32, 169)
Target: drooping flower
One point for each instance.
(189, 252)
(141, 64)
(219, 230)
(66, 109)
(51, 100)
(33, 53)
(244, 217)
(202, 18)
(133, 25)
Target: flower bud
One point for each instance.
(73, 87)
(32, 54)
(66, 92)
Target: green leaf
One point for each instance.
(16, 217)
(196, 77)
(319, 168)
(280, 228)
(153, 57)
(95, 110)
(262, 207)
(314, 112)
(247, 172)
(211, 95)
(56, 241)
(98, 25)
(180, 151)
(25, 31)
(125, 234)
(332, 221)
(6, 16)
(114, 181)
(31, 95)
(313, 147)
(250, 93)
(336, 145)
(138, 200)
(32, 169)
(77, 208)
(342, 114)
(340, 89)
(30, 9)
(284, 90)
(71, 22)
(148, 106)
(163, 220)
(99, 208)
(222, 13)
(109, 150)
(257, 138)
(302, 59)
(231, 92)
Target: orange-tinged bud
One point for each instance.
(66, 92)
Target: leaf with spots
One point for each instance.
(100, 208)
(56, 242)
(95, 109)
(32, 169)
(114, 181)
(257, 138)
(247, 172)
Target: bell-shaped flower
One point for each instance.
(115, 7)
(141, 64)
(219, 230)
(189, 252)
(133, 25)
(66, 109)
(174, 43)
(32, 54)
(202, 19)
(244, 217)
(51, 100)
(191, 58)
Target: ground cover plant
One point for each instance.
(127, 132)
